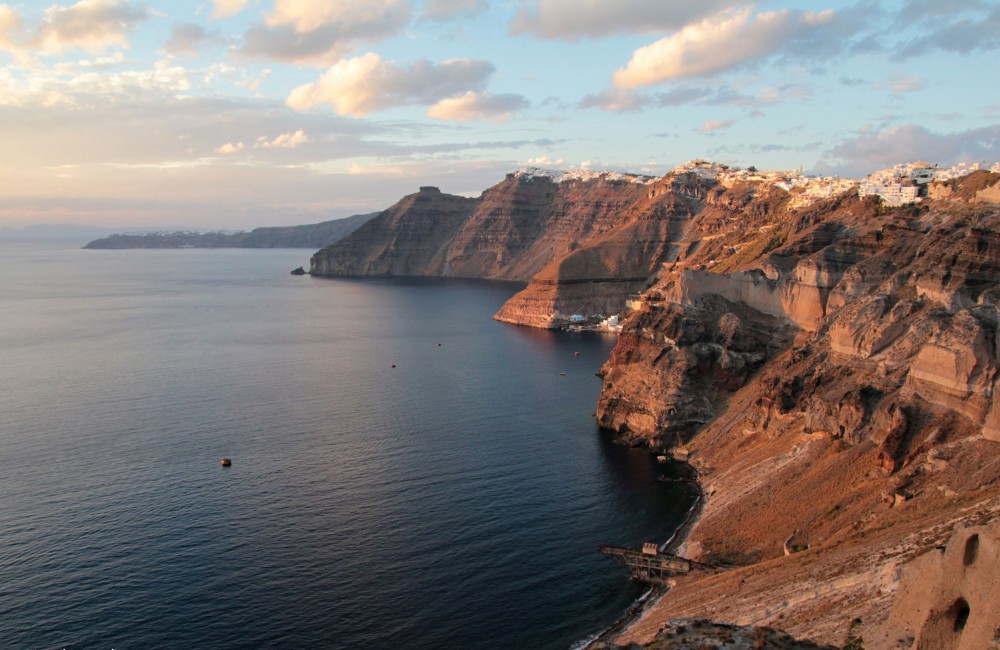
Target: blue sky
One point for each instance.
(240, 113)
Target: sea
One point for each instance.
(406, 472)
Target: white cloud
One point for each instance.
(719, 43)
(230, 147)
(545, 161)
(350, 16)
(91, 83)
(283, 141)
(322, 33)
(711, 126)
(225, 8)
(445, 10)
(477, 106)
(92, 25)
(570, 19)
(365, 84)
(10, 25)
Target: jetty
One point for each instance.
(650, 565)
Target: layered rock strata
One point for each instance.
(585, 244)
(832, 371)
(866, 431)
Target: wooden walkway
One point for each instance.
(650, 565)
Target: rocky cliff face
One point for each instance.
(860, 421)
(410, 238)
(832, 371)
(584, 243)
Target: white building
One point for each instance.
(894, 194)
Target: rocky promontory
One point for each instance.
(837, 392)
(582, 242)
(829, 363)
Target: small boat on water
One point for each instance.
(226, 462)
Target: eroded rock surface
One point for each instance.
(869, 434)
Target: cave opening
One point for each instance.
(971, 550)
(962, 611)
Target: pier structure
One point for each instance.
(650, 565)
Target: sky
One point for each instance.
(211, 114)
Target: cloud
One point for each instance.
(711, 126)
(852, 81)
(101, 83)
(725, 41)
(872, 149)
(573, 19)
(931, 11)
(545, 161)
(477, 106)
(616, 100)
(117, 158)
(189, 38)
(10, 26)
(970, 34)
(445, 10)
(225, 8)
(354, 16)
(628, 99)
(283, 141)
(90, 25)
(230, 147)
(322, 33)
(365, 84)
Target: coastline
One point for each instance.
(605, 639)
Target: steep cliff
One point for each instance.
(410, 238)
(845, 427)
(584, 241)
(831, 370)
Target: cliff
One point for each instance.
(308, 236)
(831, 370)
(584, 241)
(833, 377)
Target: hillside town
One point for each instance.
(898, 185)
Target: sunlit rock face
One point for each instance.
(674, 364)
(897, 306)
(863, 431)
(583, 244)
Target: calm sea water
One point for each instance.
(453, 501)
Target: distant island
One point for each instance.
(317, 235)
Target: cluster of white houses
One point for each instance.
(896, 185)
